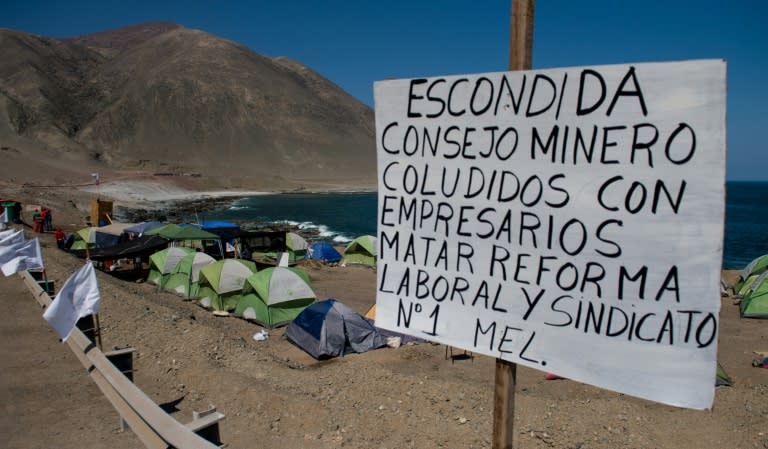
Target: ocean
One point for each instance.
(340, 217)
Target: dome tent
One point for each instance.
(296, 245)
(750, 273)
(275, 296)
(222, 282)
(754, 304)
(329, 329)
(323, 251)
(361, 251)
(185, 278)
(162, 263)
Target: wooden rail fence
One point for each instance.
(154, 427)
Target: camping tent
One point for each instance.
(185, 278)
(275, 296)
(222, 282)
(297, 246)
(754, 304)
(329, 329)
(84, 238)
(324, 252)
(162, 263)
(750, 273)
(361, 251)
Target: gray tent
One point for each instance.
(329, 329)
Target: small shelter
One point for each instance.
(754, 304)
(85, 238)
(222, 282)
(162, 263)
(750, 273)
(329, 329)
(361, 251)
(275, 296)
(185, 278)
(297, 246)
(324, 252)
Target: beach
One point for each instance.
(275, 395)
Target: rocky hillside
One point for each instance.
(159, 98)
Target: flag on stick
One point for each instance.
(8, 252)
(11, 237)
(28, 257)
(78, 297)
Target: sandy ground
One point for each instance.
(275, 396)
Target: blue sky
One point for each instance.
(354, 43)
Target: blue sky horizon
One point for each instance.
(354, 44)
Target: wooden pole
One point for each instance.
(520, 56)
(521, 35)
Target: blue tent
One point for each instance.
(323, 251)
(329, 329)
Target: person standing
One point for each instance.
(44, 217)
(37, 219)
(59, 234)
(48, 220)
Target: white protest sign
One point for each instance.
(569, 220)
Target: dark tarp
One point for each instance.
(329, 329)
(143, 227)
(107, 240)
(143, 247)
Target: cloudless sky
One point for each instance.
(356, 42)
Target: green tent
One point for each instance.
(275, 296)
(722, 378)
(185, 278)
(191, 233)
(754, 304)
(750, 273)
(84, 238)
(176, 232)
(164, 230)
(162, 263)
(361, 251)
(297, 246)
(222, 282)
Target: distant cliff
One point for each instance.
(158, 97)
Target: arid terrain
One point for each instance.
(161, 114)
(275, 395)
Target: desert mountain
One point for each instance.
(160, 98)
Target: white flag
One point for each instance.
(8, 252)
(78, 297)
(11, 238)
(28, 257)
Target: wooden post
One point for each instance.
(520, 56)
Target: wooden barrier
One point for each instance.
(154, 427)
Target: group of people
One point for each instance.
(43, 222)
